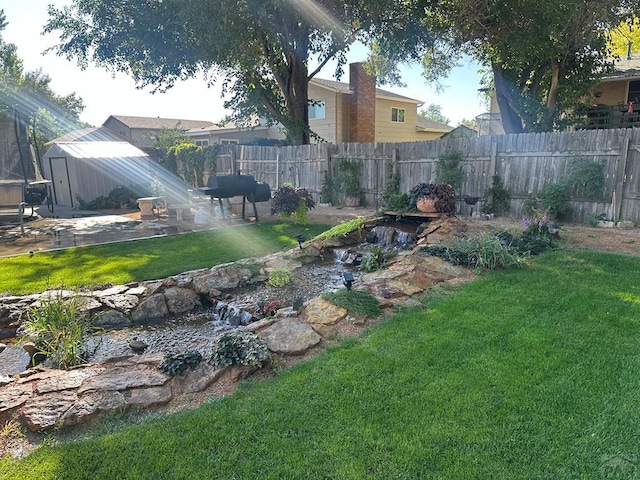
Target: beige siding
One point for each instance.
(325, 128)
(388, 131)
(612, 93)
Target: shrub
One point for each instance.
(239, 348)
(357, 302)
(343, 228)
(376, 259)
(449, 171)
(488, 252)
(289, 201)
(279, 277)
(496, 198)
(178, 363)
(58, 328)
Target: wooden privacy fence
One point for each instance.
(524, 162)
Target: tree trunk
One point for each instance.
(511, 120)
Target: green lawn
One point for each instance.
(527, 374)
(147, 259)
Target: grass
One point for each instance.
(524, 374)
(146, 259)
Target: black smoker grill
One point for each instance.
(227, 186)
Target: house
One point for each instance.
(361, 112)
(461, 131)
(142, 129)
(615, 101)
(341, 112)
(231, 133)
(90, 169)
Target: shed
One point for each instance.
(88, 170)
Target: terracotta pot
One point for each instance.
(427, 205)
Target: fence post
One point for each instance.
(618, 193)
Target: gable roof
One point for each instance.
(96, 150)
(341, 87)
(431, 125)
(93, 134)
(158, 123)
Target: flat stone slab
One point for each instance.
(46, 411)
(321, 312)
(13, 396)
(122, 378)
(67, 380)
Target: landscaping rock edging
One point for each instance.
(41, 398)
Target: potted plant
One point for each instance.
(433, 198)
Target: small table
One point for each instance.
(146, 205)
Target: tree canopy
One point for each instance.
(433, 112)
(543, 56)
(261, 49)
(29, 96)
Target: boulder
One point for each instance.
(123, 377)
(196, 380)
(44, 411)
(14, 359)
(290, 337)
(111, 319)
(123, 302)
(153, 307)
(13, 396)
(321, 312)
(180, 300)
(222, 278)
(58, 380)
(148, 397)
(89, 405)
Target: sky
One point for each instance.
(104, 94)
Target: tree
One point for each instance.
(28, 96)
(544, 55)
(624, 35)
(433, 112)
(260, 48)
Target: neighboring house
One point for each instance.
(142, 129)
(360, 112)
(230, 133)
(342, 112)
(616, 98)
(461, 131)
(616, 101)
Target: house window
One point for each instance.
(228, 141)
(634, 91)
(316, 110)
(397, 115)
(202, 143)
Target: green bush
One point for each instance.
(178, 363)
(496, 198)
(58, 328)
(488, 252)
(449, 171)
(239, 348)
(357, 302)
(376, 259)
(279, 277)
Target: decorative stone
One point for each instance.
(91, 404)
(180, 300)
(153, 307)
(2, 347)
(13, 360)
(321, 312)
(45, 411)
(121, 378)
(290, 337)
(139, 290)
(66, 380)
(148, 397)
(13, 396)
(223, 278)
(108, 292)
(196, 380)
(123, 302)
(111, 319)
(5, 380)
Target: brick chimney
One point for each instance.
(362, 107)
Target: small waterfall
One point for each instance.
(384, 235)
(345, 256)
(231, 315)
(405, 239)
